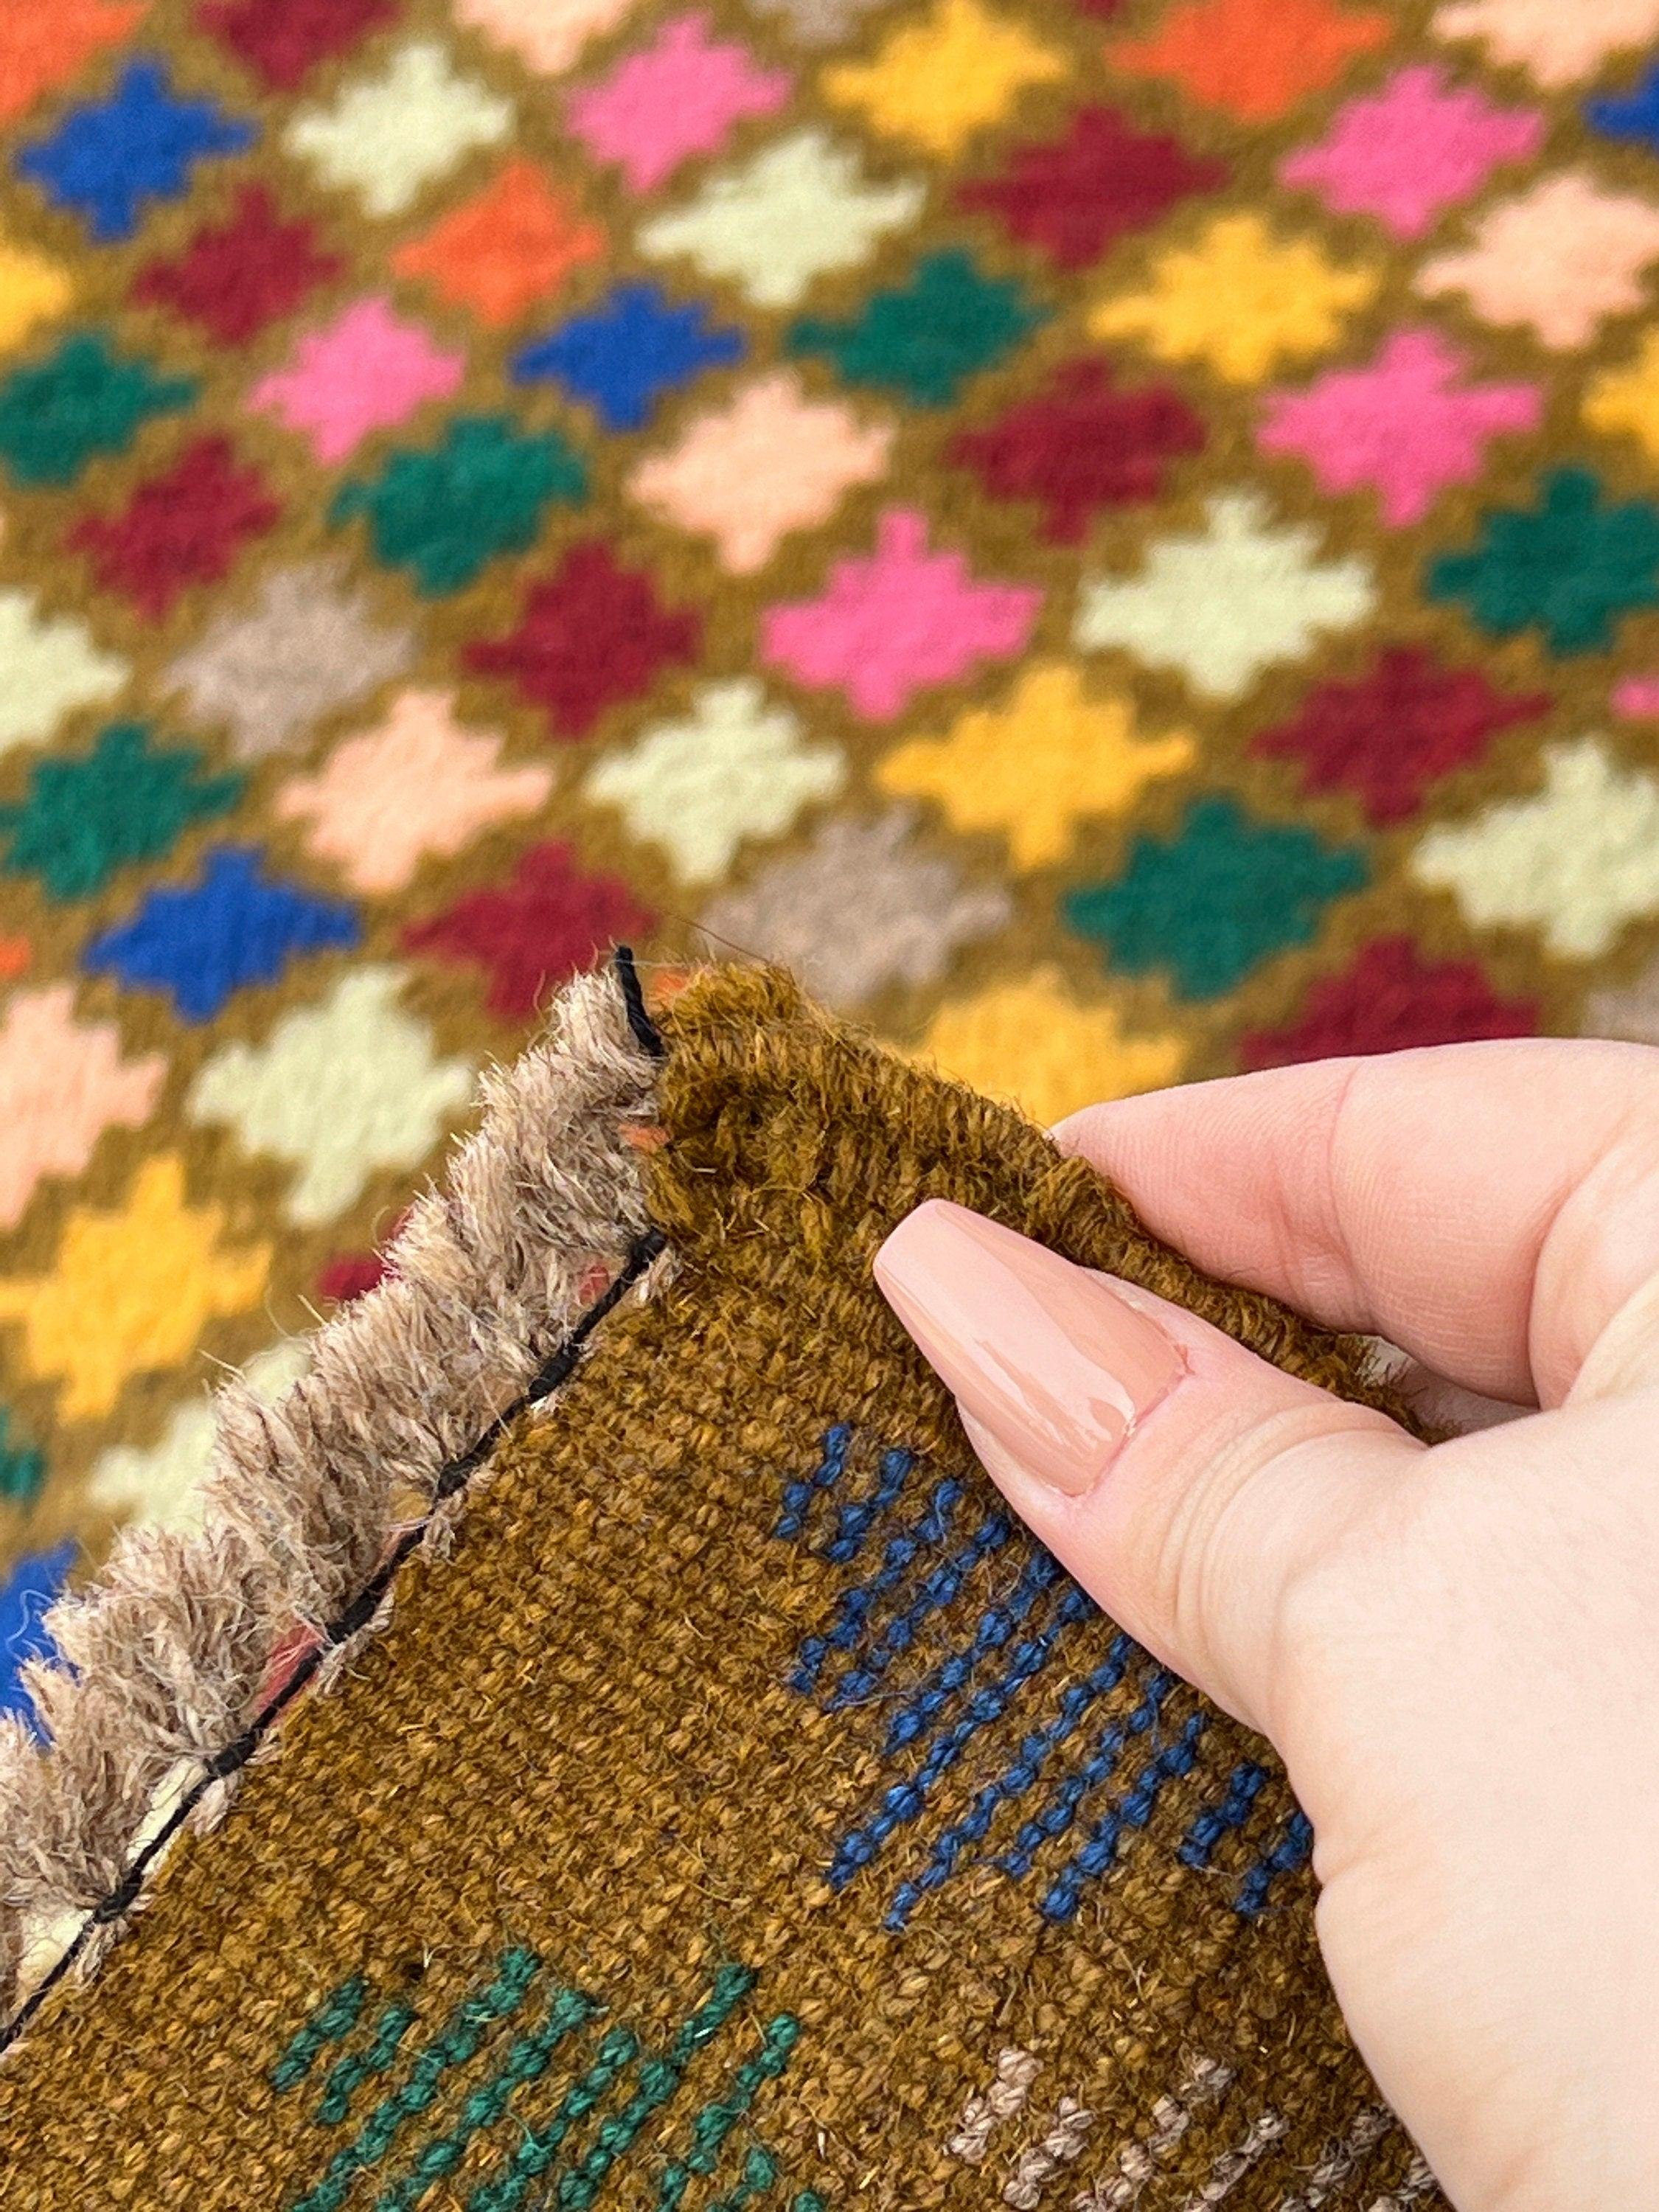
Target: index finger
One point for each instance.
(1488, 1207)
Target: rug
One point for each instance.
(1118, 537)
(739, 1808)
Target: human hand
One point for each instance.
(1455, 1649)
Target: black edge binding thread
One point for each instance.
(646, 1032)
(555, 1370)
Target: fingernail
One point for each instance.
(1041, 1354)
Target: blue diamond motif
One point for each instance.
(35, 1581)
(629, 351)
(106, 158)
(234, 927)
(1635, 116)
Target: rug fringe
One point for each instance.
(312, 1502)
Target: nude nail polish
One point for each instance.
(1040, 1354)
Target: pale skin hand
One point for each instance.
(1455, 1650)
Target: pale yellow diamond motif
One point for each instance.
(340, 1090)
(50, 666)
(1227, 602)
(159, 1486)
(737, 767)
(799, 210)
(1030, 1040)
(1578, 860)
(936, 82)
(1049, 757)
(388, 137)
(131, 1291)
(1241, 299)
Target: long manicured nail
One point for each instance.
(1041, 1353)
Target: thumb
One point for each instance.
(1188, 1486)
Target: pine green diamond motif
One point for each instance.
(1571, 566)
(22, 1466)
(927, 337)
(1216, 899)
(448, 513)
(82, 819)
(85, 400)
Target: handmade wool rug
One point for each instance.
(1117, 538)
(739, 1808)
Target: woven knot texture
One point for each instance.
(745, 1811)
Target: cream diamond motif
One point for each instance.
(1224, 603)
(1578, 861)
(797, 211)
(48, 666)
(735, 768)
(340, 1090)
(389, 138)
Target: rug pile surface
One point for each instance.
(1119, 537)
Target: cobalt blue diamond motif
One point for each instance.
(106, 159)
(1635, 116)
(631, 349)
(233, 928)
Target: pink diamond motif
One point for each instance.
(369, 369)
(1404, 153)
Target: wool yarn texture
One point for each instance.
(716, 1797)
(1118, 539)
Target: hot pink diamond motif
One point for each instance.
(678, 96)
(366, 370)
(887, 625)
(1404, 424)
(1418, 145)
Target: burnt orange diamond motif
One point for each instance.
(1253, 58)
(506, 249)
(45, 43)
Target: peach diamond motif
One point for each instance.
(1559, 43)
(1557, 258)
(507, 249)
(771, 462)
(63, 1082)
(416, 784)
(548, 35)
